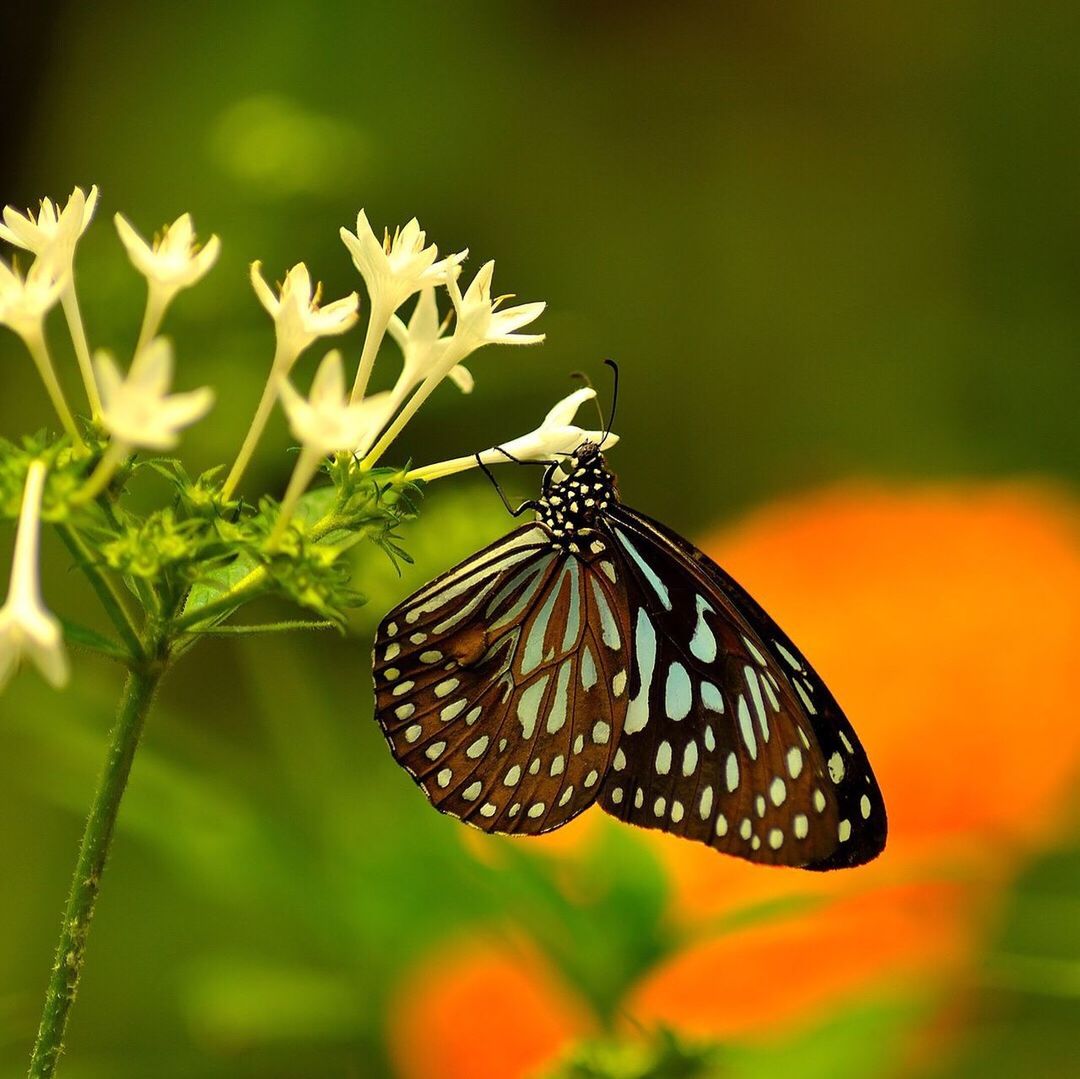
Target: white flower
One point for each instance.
(25, 301)
(27, 628)
(174, 261)
(422, 345)
(394, 268)
(480, 321)
(557, 438)
(298, 318)
(138, 410)
(325, 422)
(52, 233)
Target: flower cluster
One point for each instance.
(194, 563)
(170, 575)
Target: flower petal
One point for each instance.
(263, 291)
(564, 412)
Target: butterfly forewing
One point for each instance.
(501, 686)
(730, 737)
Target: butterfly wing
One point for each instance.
(730, 737)
(501, 686)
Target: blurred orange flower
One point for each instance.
(946, 620)
(794, 969)
(482, 1009)
(947, 623)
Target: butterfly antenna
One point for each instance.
(614, 401)
(588, 382)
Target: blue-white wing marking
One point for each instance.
(730, 736)
(501, 686)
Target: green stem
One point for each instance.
(93, 851)
(107, 592)
(261, 627)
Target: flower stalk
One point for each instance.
(255, 430)
(39, 351)
(69, 300)
(94, 848)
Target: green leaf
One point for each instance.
(90, 638)
(314, 505)
(217, 582)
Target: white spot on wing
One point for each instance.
(836, 768)
(663, 758)
(690, 759)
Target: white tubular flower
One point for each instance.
(25, 301)
(396, 267)
(555, 439)
(138, 410)
(480, 321)
(52, 235)
(27, 628)
(298, 318)
(556, 436)
(325, 422)
(174, 261)
(422, 346)
(52, 232)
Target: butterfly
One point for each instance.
(594, 655)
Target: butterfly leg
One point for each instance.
(528, 504)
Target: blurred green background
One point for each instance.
(822, 240)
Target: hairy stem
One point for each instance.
(250, 630)
(93, 851)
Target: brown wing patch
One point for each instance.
(501, 687)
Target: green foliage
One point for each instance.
(201, 551)
(664, 1055)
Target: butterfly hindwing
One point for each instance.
(730, 737)
(501, 686)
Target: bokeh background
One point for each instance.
(836, 251)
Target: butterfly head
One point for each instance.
(576, 492)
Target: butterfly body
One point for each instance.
(596, 656)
